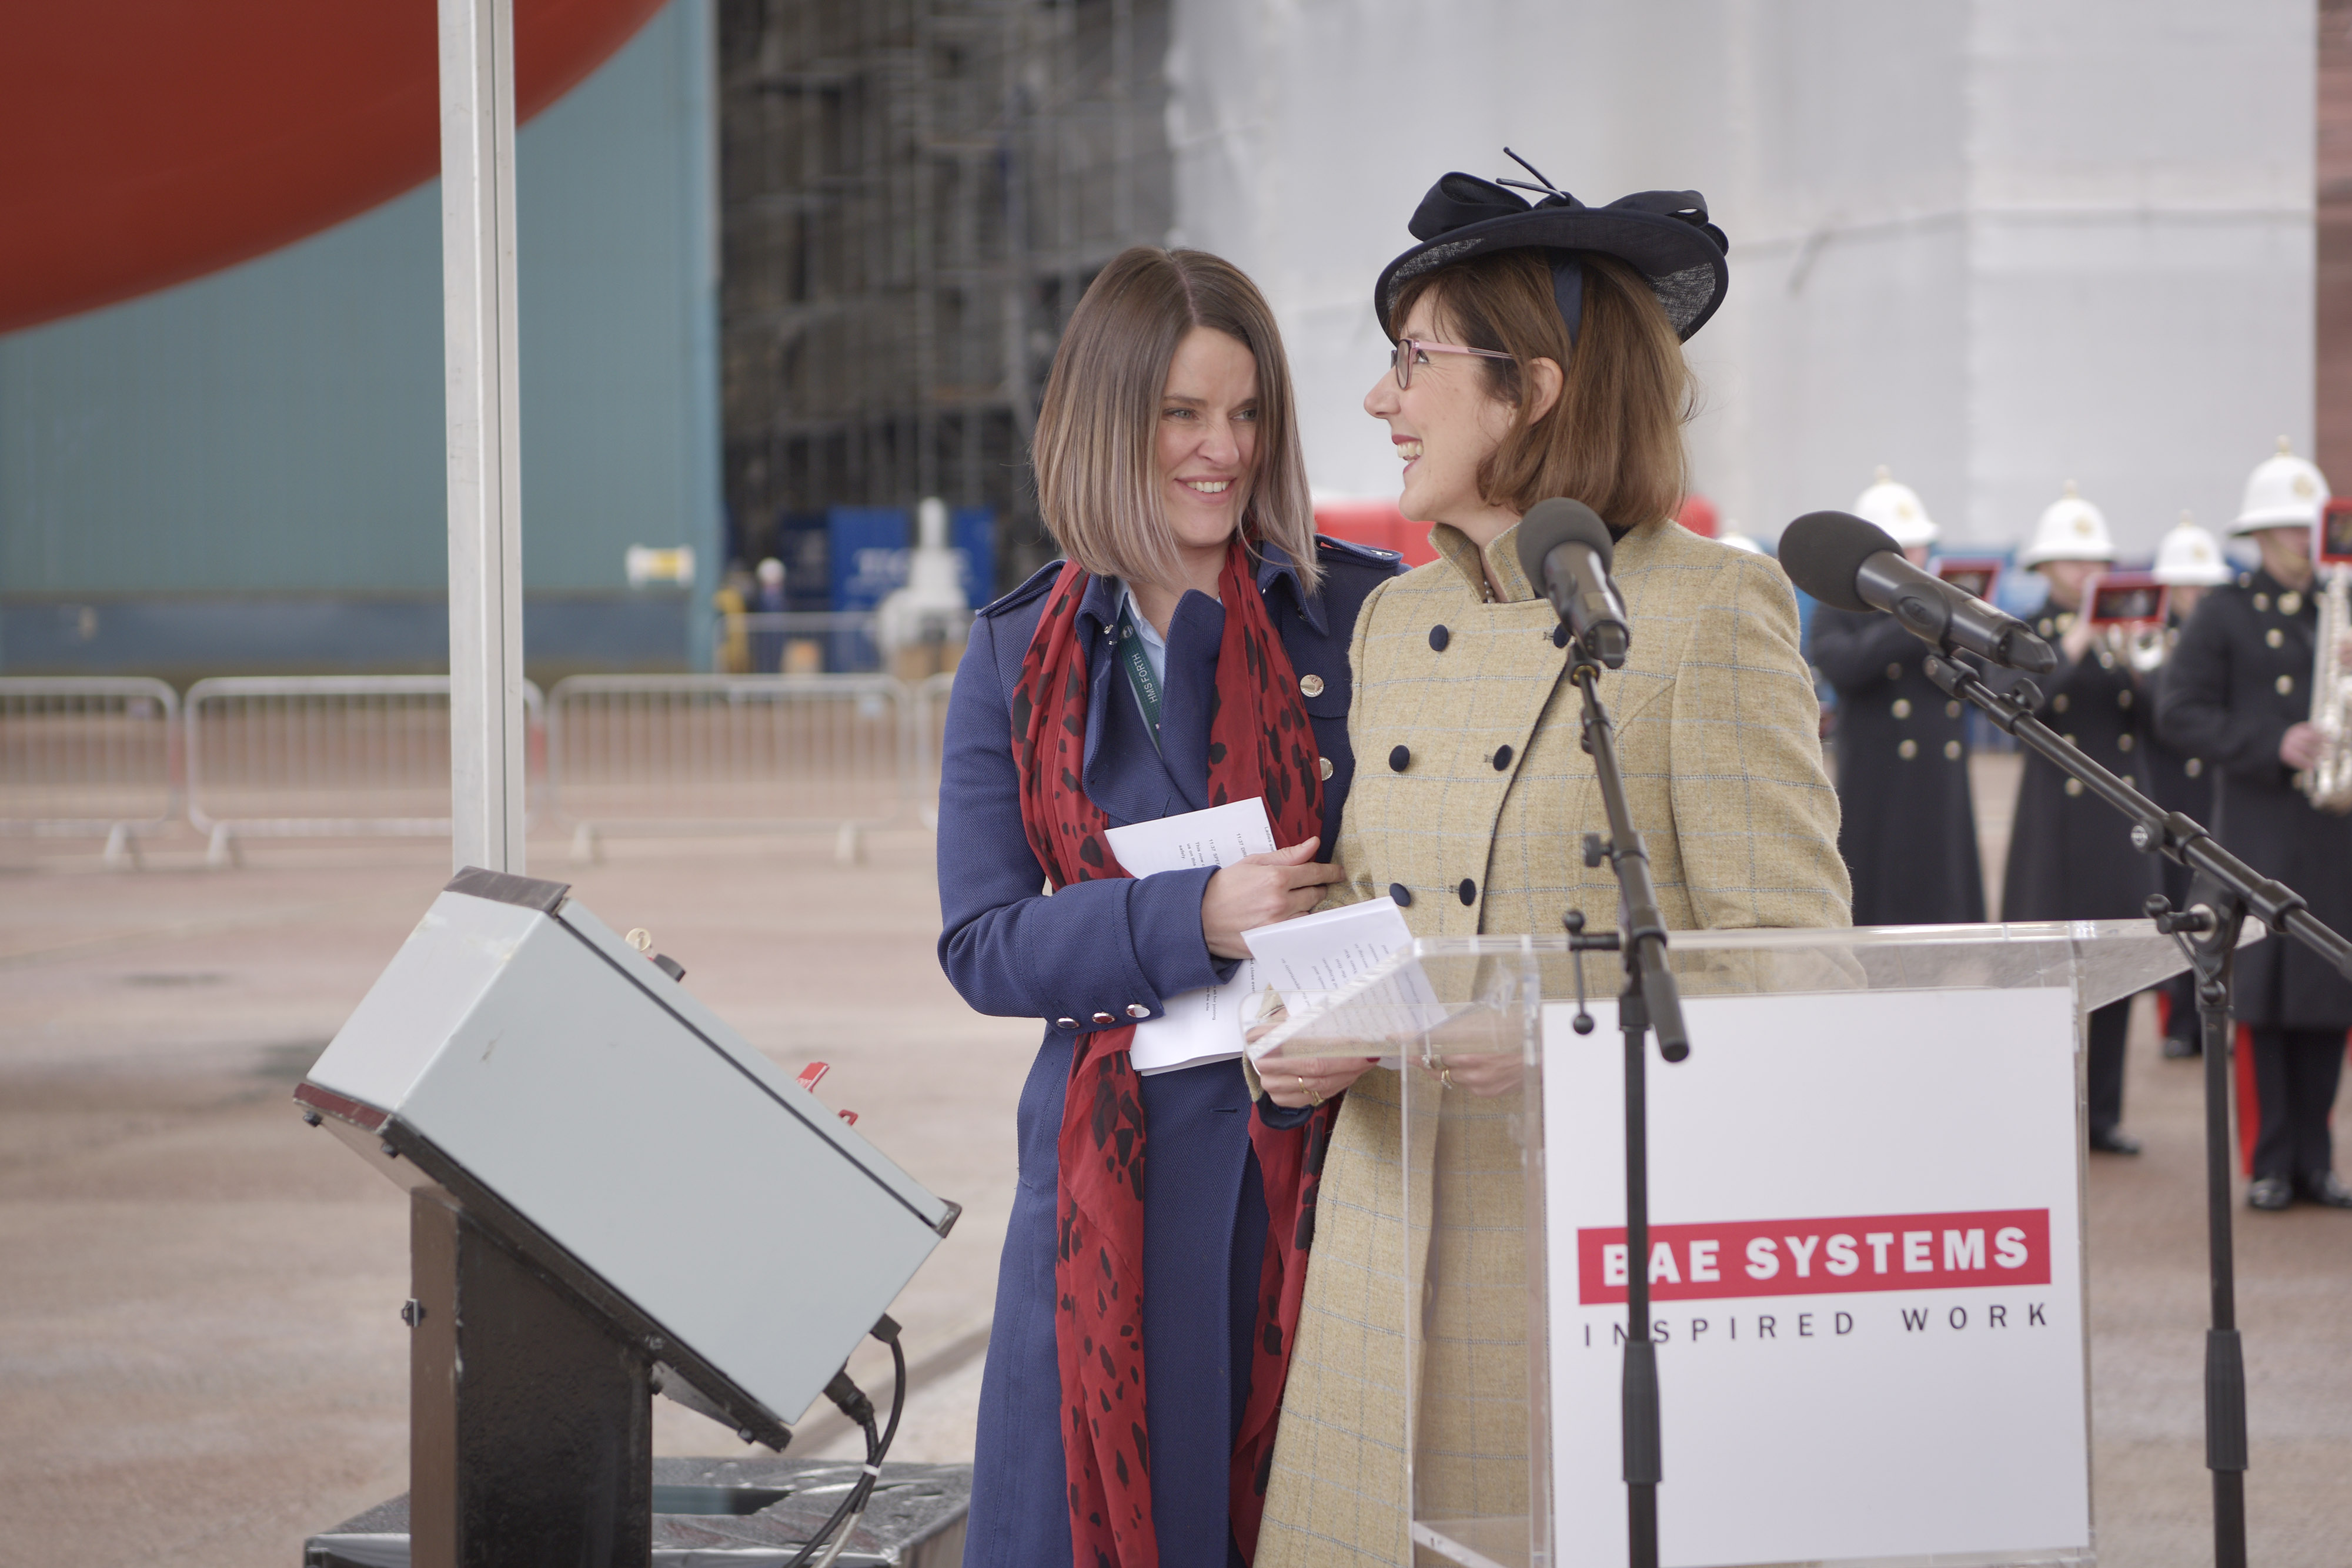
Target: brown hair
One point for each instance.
(1613, 437)
(1095, 451)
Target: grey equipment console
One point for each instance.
(573, 1100)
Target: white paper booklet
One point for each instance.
(1205, 1025)
(1218, 836)
(1201, 1026)
(1308, 958)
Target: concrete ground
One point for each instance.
(201, 1360)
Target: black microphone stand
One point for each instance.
(2225, 891)
(1651, 1001)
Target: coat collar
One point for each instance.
(1462, 553)
(1274, 565)
(1503, 555)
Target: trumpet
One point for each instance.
(2328, 780)
(2141, 645)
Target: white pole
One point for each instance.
(478, 307)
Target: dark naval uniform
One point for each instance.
(2070, 853)
(2239, 679)
(1907, 827)
(2178, 781)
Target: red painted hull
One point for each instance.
(149, 141)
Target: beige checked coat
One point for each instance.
(1472, 796)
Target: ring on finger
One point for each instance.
(1312, 1098)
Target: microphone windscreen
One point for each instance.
(1823, 553)
(1551, 523)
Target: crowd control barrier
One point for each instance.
(89, 754)
(686, 754)
(312, 756)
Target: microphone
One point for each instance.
(1848, 564)
(1564, 548)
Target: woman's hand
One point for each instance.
(1259, 890)
(1484, 1076)
(1311, 1080)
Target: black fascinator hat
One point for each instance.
(1663, 235)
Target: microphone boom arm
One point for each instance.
(2225, 891)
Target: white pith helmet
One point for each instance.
(2071, 529)
(2190, 557)
(2282, 492)
(1897, 509)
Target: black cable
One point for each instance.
(852, 1402)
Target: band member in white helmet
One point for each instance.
(2188, 563)
(2070, 855)
(1908, 829)
(2239, 694)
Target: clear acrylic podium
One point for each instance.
(1866, 1239)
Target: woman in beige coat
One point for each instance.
(1537, 354)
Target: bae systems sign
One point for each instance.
(1866, 1276)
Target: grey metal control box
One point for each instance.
(581, 1106)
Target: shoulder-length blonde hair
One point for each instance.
(1614, 438)
(1095, 452)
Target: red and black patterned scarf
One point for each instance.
(1259, 743)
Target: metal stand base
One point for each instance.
(751, 1512)
(531, 1427)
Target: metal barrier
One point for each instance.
(928, 721)
(684, 754)
(797, 641)
(310, 755)
(836, 642)
(89, 754)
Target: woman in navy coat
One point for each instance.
(1099, 954)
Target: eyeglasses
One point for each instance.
(1401, 358)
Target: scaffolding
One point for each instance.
(915, 194)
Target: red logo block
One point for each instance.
(1823, 1256)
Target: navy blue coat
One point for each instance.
(1080, 960)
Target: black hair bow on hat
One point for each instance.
(1663, 235)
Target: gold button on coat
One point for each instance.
(2286, 684)
(1894, 671)
(2290, 602)
(2074, 786)
(1138, 1010)
(1907, 751)
(1902, 707)
(1952, 751)
(2262, 602)
(2123, 742)
(2059, 704)
(2275, 637)
(2194, 768)
(1952, 709)
(1323, 766)
(1310, 685)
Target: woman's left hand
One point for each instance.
(1311, 1080)
(1484, 1076)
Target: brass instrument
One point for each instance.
(2328, 780)
(2142, 645)
(2128, 608)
